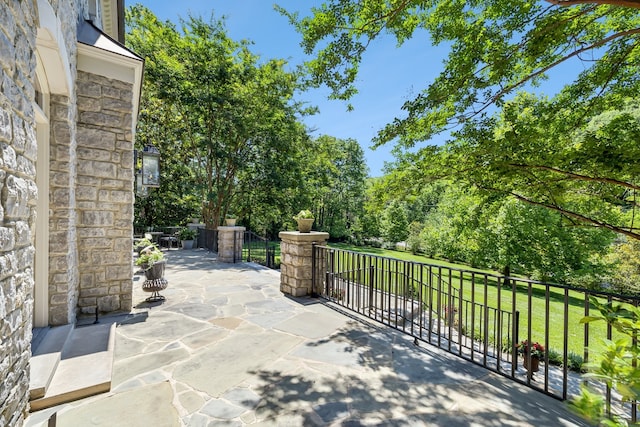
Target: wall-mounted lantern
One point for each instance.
(147, 169)
(141, 190)
(150, 166)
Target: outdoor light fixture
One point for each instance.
(150, 166)
(141, 190)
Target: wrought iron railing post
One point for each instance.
(313, 270)
(372, 273)
(516, 339)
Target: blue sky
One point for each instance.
(388, 75)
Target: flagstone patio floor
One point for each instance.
(227, 348)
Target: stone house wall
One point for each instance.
(63, 278)
(17, 204)
(90, 194)
(104, 193)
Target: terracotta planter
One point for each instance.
(535, 365)
(304, 224)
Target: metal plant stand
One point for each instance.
(155, 282)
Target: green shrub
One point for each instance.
(612, 366)
(555, 358)
(574, 362)
(187, 233)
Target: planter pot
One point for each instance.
(304, 224)
(230, 222)
(155, 281)
(187, 244)
(156, 271)
(535, 365)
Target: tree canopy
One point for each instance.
(496, 47)
(575, 154)
(225, 122)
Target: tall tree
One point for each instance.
(395, 224)
(335, 177)
(230, 111)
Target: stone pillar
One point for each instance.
(104, 193)
(296, 261)
(230, 243)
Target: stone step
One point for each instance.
(85, 366)
(47, 345)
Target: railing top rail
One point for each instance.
(626, 298)
(255, 236)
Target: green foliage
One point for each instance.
(395, 225)
(575, 154)
(617, 365)
(624, 276)
(149, 256)
(575, 362)
(535, 349)
(141, 244)
(334, 173)
(466, 225)
(495, 48)
(303, 214)
(187, 233)
(591, 406)
(554, 357)
(224, 122)
(414, 241)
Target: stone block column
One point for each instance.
(230, 243)
(296, 267)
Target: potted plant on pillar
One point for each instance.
(230, 220)
(187, 236)
(305, 219)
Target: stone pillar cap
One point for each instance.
(297, 236)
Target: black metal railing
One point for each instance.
(260, 250)
(208, 239)
(476, 315)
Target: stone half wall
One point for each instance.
(104, 193)
(17, 205)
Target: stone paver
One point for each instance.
(227, 348)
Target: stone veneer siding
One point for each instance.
(90, 213)
(63, 251)
(296, 262)
(230, 240)
(104, 193)
(17, 205)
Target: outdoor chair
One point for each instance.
(168, 241)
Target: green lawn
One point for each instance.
(258, 251)
(485, 289)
